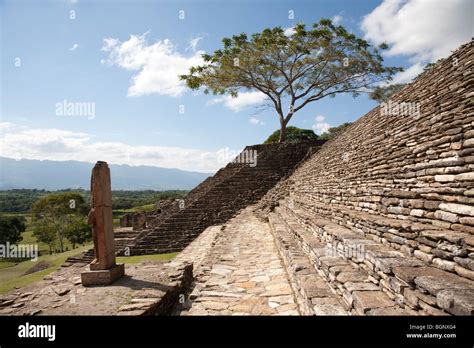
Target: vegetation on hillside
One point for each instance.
(19, 223)
(21, 200)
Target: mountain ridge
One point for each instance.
(57, 175)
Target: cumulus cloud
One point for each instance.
(256, 121)
(74, 47)
(320, 126)
(336, 19)
(62, 145)
(242, 101)
(422, 30)
(157, 65)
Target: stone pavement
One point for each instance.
(242, 274)
(148, 288)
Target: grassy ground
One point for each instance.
(11, 277)
(43, 249)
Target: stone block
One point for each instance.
(357, 276)
(367, 300)
(442, 282)
(386, 265)
(445, 216)
(455, 208)
(102, 277)
(456, 301)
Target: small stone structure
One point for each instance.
(126, 221)
(139, 221)
(103, 269)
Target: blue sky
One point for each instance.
(141, 114)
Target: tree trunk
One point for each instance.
(282, 132)
(61, 240)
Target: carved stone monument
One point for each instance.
(103, 270)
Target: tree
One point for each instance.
(383, 94)
(78, 231)
(11, 228)
(333, 131)
(56, 212)
(292, 70)
(293, 134)
(45, 232)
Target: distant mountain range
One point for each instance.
(56, 175)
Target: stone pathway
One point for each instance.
(242, 274)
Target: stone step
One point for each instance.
(402, 278)
(353, 284)
(444, 249)
(313, 295)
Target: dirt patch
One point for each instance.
(40, 266)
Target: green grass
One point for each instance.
(43, 248)
(137, 209)
(140, 258)
(11, 277)
(6, 264)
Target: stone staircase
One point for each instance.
(370, 277)
(122, 236)
(219, 198)
(312, 293)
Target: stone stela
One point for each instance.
(102, 270)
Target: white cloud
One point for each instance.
(420, 29)
(336, 19)
(242, 101)
(320, 126)
(256, 121)
(194, 42)
(4, 126)
(74, 47)
(62, 145)
(158, 65)
(409, 74)
(289, 31)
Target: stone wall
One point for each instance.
(404, 183)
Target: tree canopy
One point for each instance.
(382, 94)
(11, 228)
(333, 131)
(292, 70)
(53, 214)
(293, 134)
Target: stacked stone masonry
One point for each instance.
(398, 190)
(217, 199)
